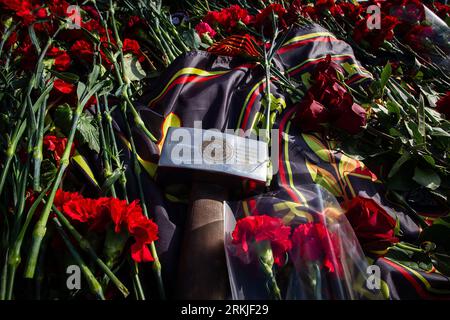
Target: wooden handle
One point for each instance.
(203, 269)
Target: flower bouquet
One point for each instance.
(284, 250)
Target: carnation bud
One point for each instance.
(207, 39)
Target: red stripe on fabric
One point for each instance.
(255, 94)
(419, 289)
(294, 72)
(354, 78)
(288, 189)
(303, 42)
(184, 79)
(197, 79)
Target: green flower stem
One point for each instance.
(167, 51)
(139, 292)
(267, 63)
(40, 228)
(6, 34)
(136, 117)
(12, 148)
(106, 159)
(116, 158)
(85, 246)
(37, 150)
(94, 285)
(138, 121)
(156, 266)
(123, 178)
(14, 257)
(4, 280)
(40, 269)
(317, 284)
(120, 77)
(266, 261)
(32, 109)
(406, 246)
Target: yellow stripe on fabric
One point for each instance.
(288, 166)
(148, 166)
(422, 279)
(247, 99)
(309, 36)
(79, 159)
(185, 71)
(319, 58)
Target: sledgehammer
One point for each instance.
(216, 165)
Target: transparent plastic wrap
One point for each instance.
(426, 33)
(279, 249)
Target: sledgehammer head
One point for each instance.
(212, 156)
(213, 164)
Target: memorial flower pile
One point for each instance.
(359, 91)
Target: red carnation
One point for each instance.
(313, 242)
(135, 21)
(63, 86)
(419, 37)
(62, 59)
(83, 50)
(264, 18)
(98, 213)
(56, 145)
(26, 10)
(204, 28)
(61, 197)
(442, 10)
(144, 232)
(133, 46)
(443, 105)
(229, 17)
(59, 8)
(236, 14)
(84, 210)
(373, 226)
(93, 13)
(261, 228)
(373, 39)
(350, 11)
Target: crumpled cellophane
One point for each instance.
(325, 262)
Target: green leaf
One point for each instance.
(429, 159)
(393, 107)
(412, 259)
(439, 132)
(93, 76)
(398, 164)
(63, 117)
(81, 88)
(87, 132)
(66, 76)
(413, 130)
(48, 172)
(427, 177)
(133, 68)
(441, 262)
(191, 38)
(385, 75)
(117, 173)
(421, 118)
